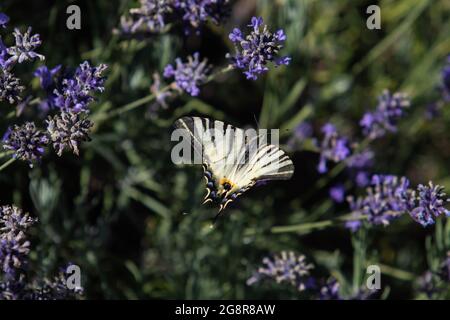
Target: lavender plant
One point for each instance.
(154, 15)
(126, 188)
(286, 267)
(255, 50)
(26, 141)
(15, 281)
(389, 197)
(333, 147)
(69, 96)
(390, 108)
(188, 75)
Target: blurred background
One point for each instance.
(133, 221)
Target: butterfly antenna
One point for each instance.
(256, 120)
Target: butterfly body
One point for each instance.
(233, 159)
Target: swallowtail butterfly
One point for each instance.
(233, 159)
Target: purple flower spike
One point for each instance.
(333, 147)
(285, 267)
(337, 193)
(257, 49)
(10, 87)
(46, 75)
(196, 12)
(24, 48)
(77, 92)
(189, 75)
(27, 142)
(390, 109)
(387, 198)
(430, 204)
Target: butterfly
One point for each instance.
(233, 159)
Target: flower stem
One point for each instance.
(7, 163)
(315, 225)
(137, 103)
(127, 107)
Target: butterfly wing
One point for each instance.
(233, 159)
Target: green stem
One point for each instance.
(127, 107)
(5, 153)
(302, 227)
(7, 163)
(396, 273)
(137, 103)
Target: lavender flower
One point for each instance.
(13, 251)
(14, 220)
(359, 165)
(330, 290)
(3, 55)
(337, 193)
(76, 92)
(384, 119)
(160, 95)
(68, 130)
(10, 88)
(12, 289)
(301, 132)
(445, 85)
(49, 81)
(4, 19)
(257, 49)
(427, 284)
(197, 12)
(15, 283)
(26, 142)
(286, 267)
(150, 16)
(54, 289)
(188, 75)
(429, 204)
(46, 76)
(387, 198)
(14, 246)
(24, 48)
(333, 147)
